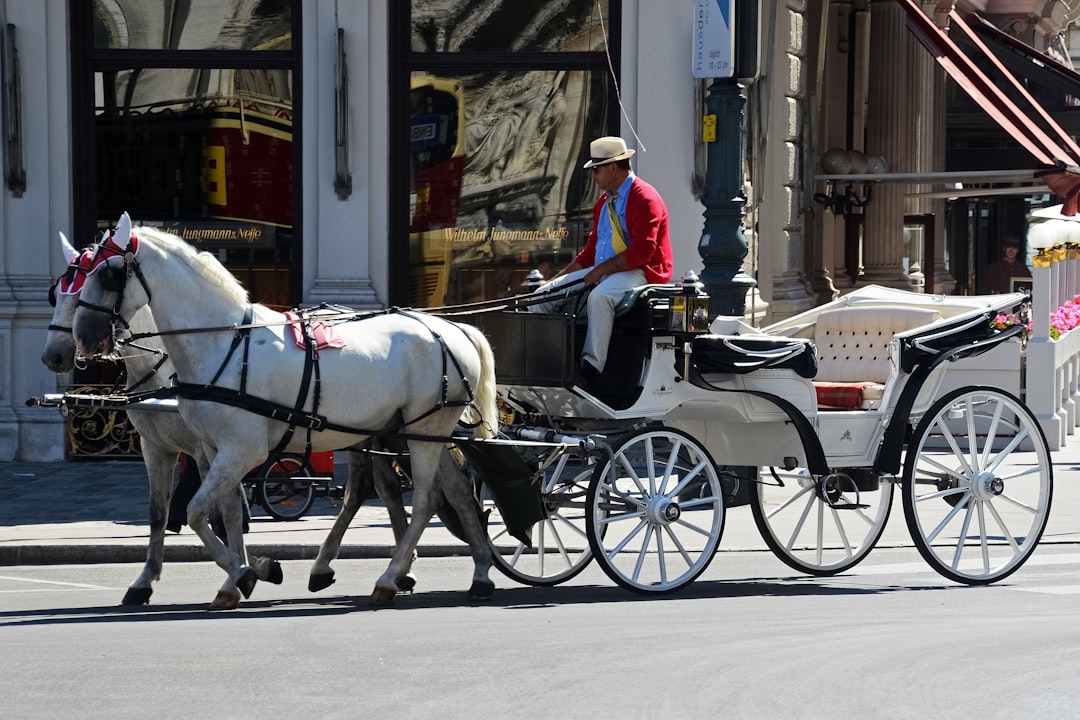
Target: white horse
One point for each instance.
(244, 389)
(162, 435)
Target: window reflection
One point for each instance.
(508, 25)
(194, 145)
(192, 25)
(496, 186)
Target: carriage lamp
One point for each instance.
(690, 306)
(1042, 236)
(533, 280)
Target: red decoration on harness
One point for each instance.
(325, 335)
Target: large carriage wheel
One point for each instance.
(643, 535)
(820, 526)
(282, 496)
(977, 485)
(560, 548)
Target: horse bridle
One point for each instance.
(106, 250)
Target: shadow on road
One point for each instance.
(512, 598)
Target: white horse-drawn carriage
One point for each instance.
(812, 421)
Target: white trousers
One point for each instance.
(601, 304)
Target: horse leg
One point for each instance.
(159, 471)
(358, 488)
(220, 485)
(458, 490)
(266, 568)
(424, 458)
(388, 487)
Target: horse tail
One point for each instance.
(484, 393)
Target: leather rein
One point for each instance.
(294, 416)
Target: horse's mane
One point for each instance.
(206, 263)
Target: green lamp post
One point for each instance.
(723, 240)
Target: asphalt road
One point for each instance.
(749, 639)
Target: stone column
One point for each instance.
(785, 258)
(892, 129)
(933, 120)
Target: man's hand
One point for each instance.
(608, 267)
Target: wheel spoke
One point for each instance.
(680, 547)
(802, 520)
(643, 552)
(841, 531)
(788, 502)
(991, 434)
(1004, 528)
(930, 537)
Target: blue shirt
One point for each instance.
(604, 251)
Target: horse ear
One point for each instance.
(70, 253)
(123, 231)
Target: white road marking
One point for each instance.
(1051, 589)
(53, 582)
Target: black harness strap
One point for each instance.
(443, 401)
(311, 364)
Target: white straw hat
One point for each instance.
(607, 150)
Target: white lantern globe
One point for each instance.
(1041, 235)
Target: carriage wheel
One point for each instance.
(282, 497)
(820, 526)
(560, 548)
(977, 485)
(643, 535)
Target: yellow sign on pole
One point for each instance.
(708, 129)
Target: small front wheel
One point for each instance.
(820, 525)
(645, 536)
(560, 549)
(977, 485)
(284, 487)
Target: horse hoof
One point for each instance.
(481, 590)
(137, 596)
(268, 569)
(225, 600)
(406, 583)
(320, 581)
(246, 581)
(382, 596)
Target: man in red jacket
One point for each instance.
(628, 247)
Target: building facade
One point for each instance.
(371, 153)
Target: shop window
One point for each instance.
(183, 115)
(503, 100)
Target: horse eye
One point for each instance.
(52, 294)
(112, 278)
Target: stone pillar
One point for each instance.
(784, 226)
(892, 133)
(933, 122)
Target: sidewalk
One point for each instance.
(97, 511)
(89, 512)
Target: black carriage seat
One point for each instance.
(853, 352)
(740, 354)
(544, 349)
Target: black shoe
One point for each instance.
(586, 377)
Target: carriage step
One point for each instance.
(849, 506)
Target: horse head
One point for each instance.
(59, 352)
(107, 300)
